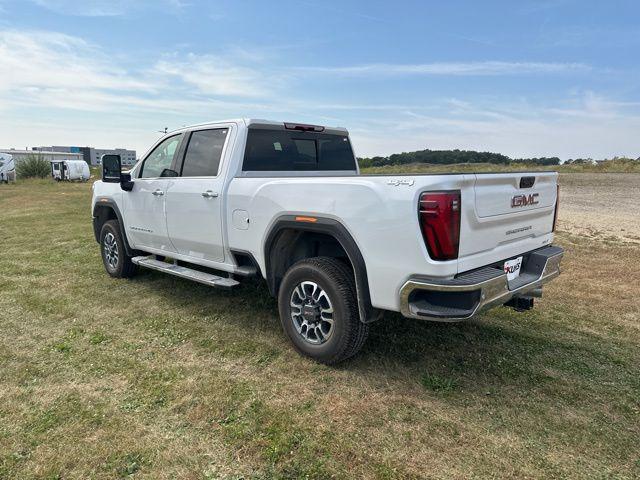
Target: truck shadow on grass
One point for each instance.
(486, 354)
(501, 349)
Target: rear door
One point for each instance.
(510, 213)
(194, 202)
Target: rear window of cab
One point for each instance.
(282, 150)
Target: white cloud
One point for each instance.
(584, 126)
(54, 70)
(54, 60)
(63, 71)
(450, 68)
(215, 75)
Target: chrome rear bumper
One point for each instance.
(468, 294)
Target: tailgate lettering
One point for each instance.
(524, 200)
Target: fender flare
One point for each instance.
(338, 231)
(106, 202)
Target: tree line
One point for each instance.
(448, 157)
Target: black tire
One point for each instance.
(122, 267)
(347, 333)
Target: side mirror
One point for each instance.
(112, 172)
(167, 172)
(111, 168)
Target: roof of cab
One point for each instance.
(257, 121)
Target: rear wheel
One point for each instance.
(319, 310)
(114, 255)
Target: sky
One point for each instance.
(522, 78)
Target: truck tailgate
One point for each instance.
(510, 213)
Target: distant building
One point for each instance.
(92, 155)
(128, 157)
(50, 155)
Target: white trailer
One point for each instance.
(70, 170)
(7, 168)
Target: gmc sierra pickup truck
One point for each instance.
(220, 201)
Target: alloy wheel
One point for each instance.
(110, 250)
(311, 312)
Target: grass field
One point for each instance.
(618, 165)
(156, 377)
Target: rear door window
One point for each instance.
(281, 150)
(204, 150)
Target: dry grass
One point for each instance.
(161, 378)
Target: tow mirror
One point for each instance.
(111, 168)
(112, 172)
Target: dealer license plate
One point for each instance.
(512, 268)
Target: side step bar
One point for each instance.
(185, 272)
(246, 271)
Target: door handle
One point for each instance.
(158, 193)
(209, 194)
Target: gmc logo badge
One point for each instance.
(524, 200)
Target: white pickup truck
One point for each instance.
(220, 201)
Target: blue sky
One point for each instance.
(525, 78)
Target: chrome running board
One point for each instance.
(185, 272)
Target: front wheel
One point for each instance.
(114, 256)
(319, 310)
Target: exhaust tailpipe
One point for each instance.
(536, 293)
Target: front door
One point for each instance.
(145, 218)
(194, 201)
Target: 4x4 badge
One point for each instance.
(397, 182)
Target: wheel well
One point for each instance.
(291, 246)
(289, 242)
(102, 214)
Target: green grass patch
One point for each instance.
(437, 383)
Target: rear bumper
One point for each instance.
(470, 293)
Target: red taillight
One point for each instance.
(440, 223)
(555, 213)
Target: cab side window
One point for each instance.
(204, 150)
(160, 158)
